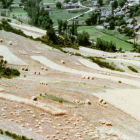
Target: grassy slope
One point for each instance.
(18, 11)
(94, 34)
(118, 42)
(56, 14)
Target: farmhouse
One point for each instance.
(70, 5)
(95, 4)
(4, 12)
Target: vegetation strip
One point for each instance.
(54, 98)
(13, 135)
(132, 69)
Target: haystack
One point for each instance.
(62, 62)
(10, 42)
(88, 102)
(34, 98)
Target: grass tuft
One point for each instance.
(54, 98)
(132, 69)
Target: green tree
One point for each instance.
(60, 26)
(52, 36)
(23, 1)
(134, 21)
(83, 38)
(65, 24)
(114, 4)
(59, 5)
(88, 21)
(121, 22)
(6, 3)
(112, 24)
(121, 3)
(92, 20)
(39, 17)
(100, 2)
(66, 1)
(73, 29)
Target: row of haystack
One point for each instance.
(101, 102)
(40, 48)
(104, 73)
(105, 122)
(22, 52)
(44, 68)
(69, 54)
(87, 101)
(25, 69)
(77, 63)
(36, 52)
(10, 42)
(43, 83)
(87, 77)
(37, 73)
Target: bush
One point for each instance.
(103, 64)
(132, 69)
(1, 132)
(6, 71)
(9, 20)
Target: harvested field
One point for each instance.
(47, 85)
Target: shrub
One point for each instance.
(132, 69)
(1, 132)
(9, 20)
(103, 64)
(6, 71)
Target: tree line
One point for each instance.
(105, 45)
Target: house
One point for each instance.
(5, 12)
(130, 26)
(111, 2)
(47, 9)
(103, 8)
(119, 13)
(96, 9)
(105, 24)
(95, 4)
(136, 28)
(102, 19)
(15, 6)
(70, 5)
(108, 13)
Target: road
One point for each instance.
(91, 9)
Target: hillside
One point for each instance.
(67, 89)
